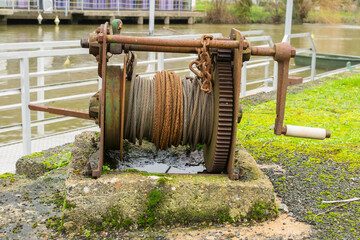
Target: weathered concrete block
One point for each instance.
(139, 199)
(38, 163)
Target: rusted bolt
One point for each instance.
(84, 43)
(100, 38)
(293, 52)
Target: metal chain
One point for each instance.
(203, 64)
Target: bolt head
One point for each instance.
(293, 52)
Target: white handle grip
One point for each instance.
(306, 132)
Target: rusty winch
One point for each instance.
(169, 110)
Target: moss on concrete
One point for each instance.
(38, 163)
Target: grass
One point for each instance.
(335, 106)
(315, 170)
(333, 17)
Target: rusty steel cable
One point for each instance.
(168, 110)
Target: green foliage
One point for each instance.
(106, 168)
(131, 170)
(259, 15)
(163, 180)
(34, 155)
(113, 220)
(57, 160)
(148, 218)
(260, 212)
(7, 175)
(242, 10)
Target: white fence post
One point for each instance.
(266, 75)
(25, 100)
(160, 63)
(151, 66)
(40, 94)
(151, 16)
(99, 83)
(275, 75)
(243, 80)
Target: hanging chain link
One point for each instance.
(203, 64)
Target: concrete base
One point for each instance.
(140, 20)
(138, 199)
(104, 15)
(167, 20)
(3, 20)
(191, 20)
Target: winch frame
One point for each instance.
(112, 94)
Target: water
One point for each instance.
(328, 38)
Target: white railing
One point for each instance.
(312, 49)
(255, 37)
(39, 50)
(111, 5)
(155, 62)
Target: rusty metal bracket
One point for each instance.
(103, 59)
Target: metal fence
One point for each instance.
(113, 5)
(312, 49)
(22, 53)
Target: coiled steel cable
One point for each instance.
(169, 111)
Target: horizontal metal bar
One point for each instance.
(263, 45)
(258, 38)
(167, 60)
(153, 48)
(299, 35)
(10, 107)
(58, 71)
(16, 127)
(52, 120)
(8, 92)
(8, 128)
(10, 76)
(189, 36)
(43, 53)
(60, 111)
(260, 60)
(259, 81)
(32, 45)
(17, 105)
(257, 65)
(261, 51)
(185, 43)
(15, 91)
(297, 70)
(303, 50)
(253, 32)
(63, 98)
(64, 85)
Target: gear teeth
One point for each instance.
(226, 110)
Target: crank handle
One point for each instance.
(305, 132)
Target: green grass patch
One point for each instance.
(334, 105)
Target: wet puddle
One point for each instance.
(146, 158)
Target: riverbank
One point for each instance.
(304, 173)
(268, 12)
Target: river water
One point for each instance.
(328, 38)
